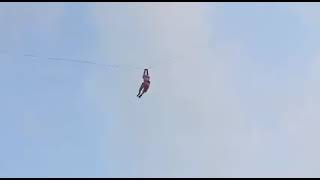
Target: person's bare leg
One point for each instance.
(145, 89)
(141, 87)
(141, 94)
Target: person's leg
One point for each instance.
(140, 89)
(145, 89)
(141, 94)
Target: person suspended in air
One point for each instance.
(145, 84)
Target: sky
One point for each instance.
(234, 90)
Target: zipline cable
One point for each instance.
(77, 61)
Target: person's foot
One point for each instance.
(140, 96)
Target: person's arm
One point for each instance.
(144, 72)
(147, 72)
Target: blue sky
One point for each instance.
(234, 90)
